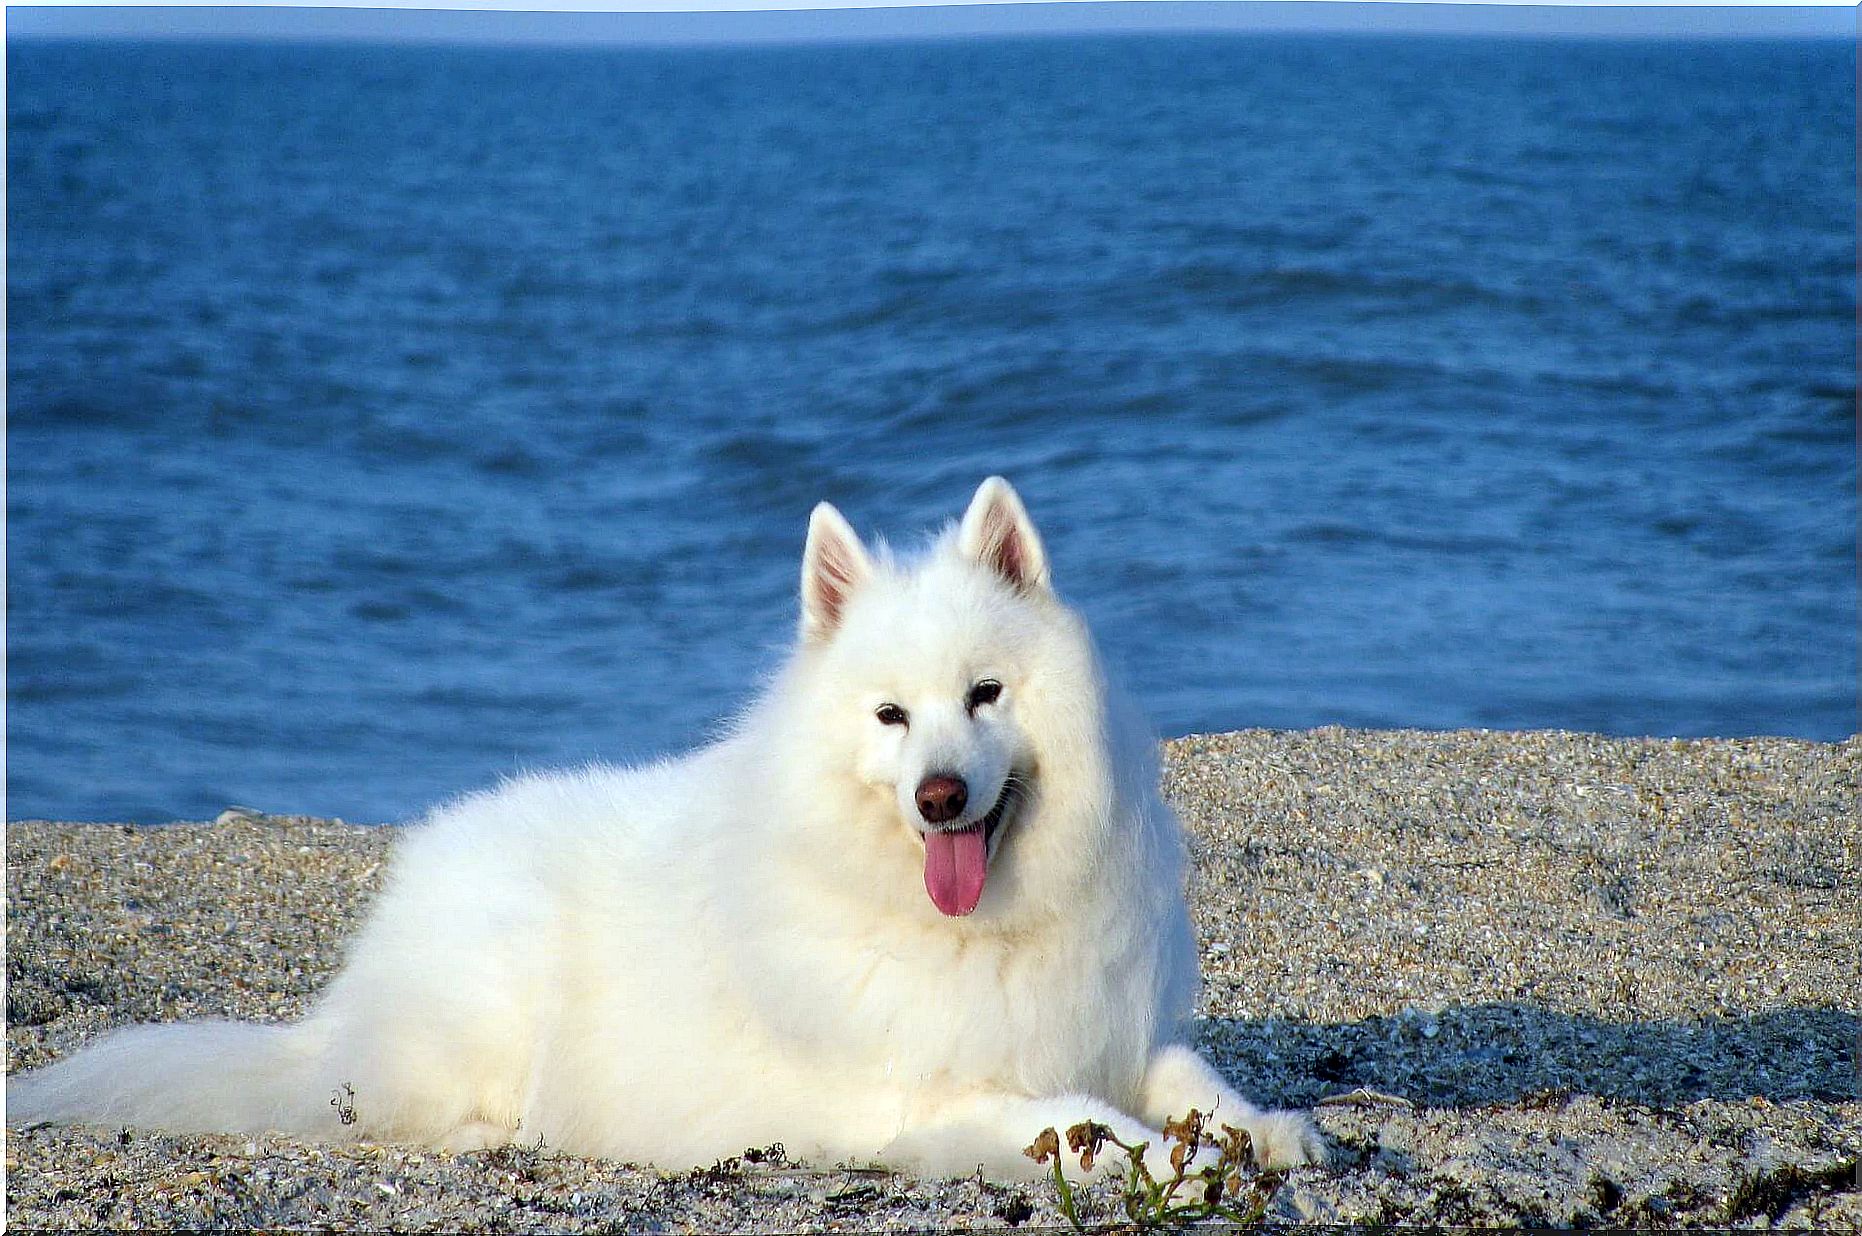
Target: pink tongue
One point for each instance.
(955, 867)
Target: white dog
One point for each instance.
(923, 902)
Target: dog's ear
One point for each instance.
(996, 532)
(834, 563)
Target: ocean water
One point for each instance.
(382, 420)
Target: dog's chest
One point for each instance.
(1037, 1014)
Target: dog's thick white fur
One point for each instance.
(770, 939)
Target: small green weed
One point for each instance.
(1226, 1188)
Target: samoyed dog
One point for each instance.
(921, 902)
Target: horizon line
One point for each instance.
(837, 22)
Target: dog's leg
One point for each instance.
(1177, 1079)
(991, 1132)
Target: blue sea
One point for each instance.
(382, 420)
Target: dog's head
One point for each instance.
(957, 698)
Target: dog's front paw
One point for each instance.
(477, 1135)
(1286, 1139)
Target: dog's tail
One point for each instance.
(200, 1077)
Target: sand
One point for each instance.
(1531, 978)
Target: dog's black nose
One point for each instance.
(941, 799)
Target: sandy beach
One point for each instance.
(1523, 978)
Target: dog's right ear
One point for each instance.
(834, 563)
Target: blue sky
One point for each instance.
(784, 20)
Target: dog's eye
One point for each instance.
(988, 691)
(890, 714)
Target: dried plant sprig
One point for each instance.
(1227, 1188)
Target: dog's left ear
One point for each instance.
(996, 532)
